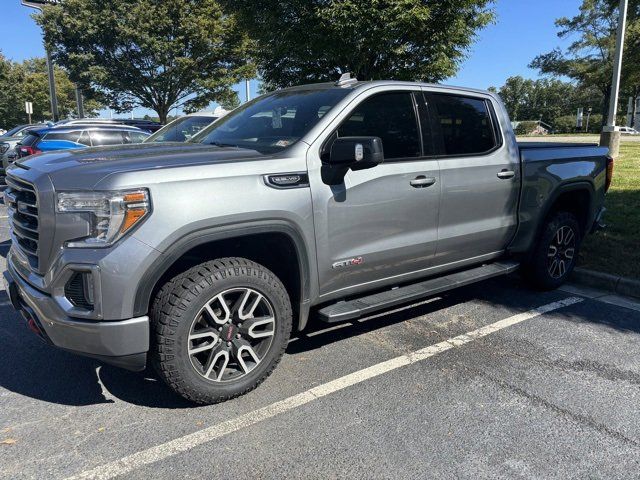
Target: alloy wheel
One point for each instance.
(561, 252)
(231, 334)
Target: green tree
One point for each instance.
(231, 103)
(158, 54)
(545, 99)
(28, 81)
(589, 59)
(301, 41)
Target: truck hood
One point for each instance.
(88, 166)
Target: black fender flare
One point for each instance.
(149, 279)
(527, 244)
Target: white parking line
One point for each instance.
(159, 452)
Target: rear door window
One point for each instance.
(66, 136)
(463, 125)
(390, 116)
(106, 137)
(29, 140)
(135, 137)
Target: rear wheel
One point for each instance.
(555, 255)
(220, 329)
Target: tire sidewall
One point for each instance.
(244, 276)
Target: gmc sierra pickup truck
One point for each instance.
(329, 201)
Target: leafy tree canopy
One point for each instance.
(589, 59)
(545, 99)
(302, 41)
(157, 54)
(28, 82)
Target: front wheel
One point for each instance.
(556, 252)
(220, 329)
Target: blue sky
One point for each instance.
(523, 29)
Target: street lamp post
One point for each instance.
(610, 134)
(37, 5)
(589, 110)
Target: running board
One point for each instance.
(350, 309)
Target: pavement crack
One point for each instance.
(575, 417)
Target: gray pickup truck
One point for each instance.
(326, 201)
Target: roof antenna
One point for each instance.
(346, 79)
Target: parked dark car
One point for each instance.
(10, 139)
(75, 137)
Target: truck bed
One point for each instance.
(541, 145)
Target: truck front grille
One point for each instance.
(22, 209)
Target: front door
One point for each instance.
(381, 223)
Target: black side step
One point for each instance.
(348, 310)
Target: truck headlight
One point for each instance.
(110, 214)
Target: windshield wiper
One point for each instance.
(220, 144)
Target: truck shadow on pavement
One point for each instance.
(31, 368)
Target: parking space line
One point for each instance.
(160, 452)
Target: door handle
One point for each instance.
(506, 174)
(422, 181)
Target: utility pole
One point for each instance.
(80, 102)
(37, 5)
(610, 134)
(247, 89)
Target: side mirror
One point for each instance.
(351, 153)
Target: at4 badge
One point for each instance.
(348, 263)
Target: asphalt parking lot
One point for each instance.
(479, 383)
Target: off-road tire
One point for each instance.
(178, 302)
(537, 269)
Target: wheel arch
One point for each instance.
(577, 197)
(264, 242)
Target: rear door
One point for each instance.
(380, 225)
(479, 174)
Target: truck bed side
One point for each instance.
(558, 175)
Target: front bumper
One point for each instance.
(123, 343)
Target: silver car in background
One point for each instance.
(183, 128)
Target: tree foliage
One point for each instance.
(545, 99)
(302, 41)
(29, 81)
(589, 58)
(157, 54)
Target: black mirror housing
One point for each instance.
(357, 153)
(351, 153)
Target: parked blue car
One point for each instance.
(76, 137)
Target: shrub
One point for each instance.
(526, 128)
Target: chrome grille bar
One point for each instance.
(22, 209)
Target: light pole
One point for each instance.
(589, 110)
(610, 134)
(37, 5)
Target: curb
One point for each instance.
(628, 287)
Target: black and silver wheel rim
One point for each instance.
(231, 334)
(561, 252)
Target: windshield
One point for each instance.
(14, 130)
(273, 122)
(181, 130)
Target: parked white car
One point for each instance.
(629, 131)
